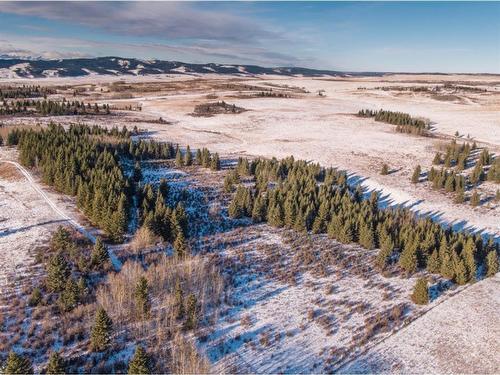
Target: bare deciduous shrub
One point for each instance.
(265, 338)
(246, 321)
(186, 359)
(143, 238)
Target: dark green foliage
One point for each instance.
(475, 199)
(77, 162)
(385, 170)
(35, 297)
(140, 362)
(58, 270)
(180, 246)
(17, 364)
(215, 163)
(191, 312)
(491, 263)
(100, 338)
(142, 300)
(179, 159)
(437, 159)
(494, 171)
(100, 255)
(405, 123)
(56, 364)
(416, 174)
(51, 108)
(188, 157)
(307, 197)
(366, 236)
(242, 203)
(61, 239)
(70, 296)
(420, 294)
(25, 91)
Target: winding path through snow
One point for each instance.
(114, 259)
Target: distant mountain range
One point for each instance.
(38, 68)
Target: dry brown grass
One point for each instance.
(9, 172)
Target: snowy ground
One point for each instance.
(26, 221)
(435, 343)
(324, 129)
(281, 334)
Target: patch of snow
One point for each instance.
(90, 72)
(51, 73)
(123, 63)
(180, 69)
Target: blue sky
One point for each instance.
(352, 36)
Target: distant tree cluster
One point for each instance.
(209, 109)
(405, 123)
(25, 91)
(52, 108)
(307, 197)
(270, 94)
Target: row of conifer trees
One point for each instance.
(52, 108)
(405, 123)
(25, 91)
(307, 197)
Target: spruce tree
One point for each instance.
(475, 199)
(191, 312)
(408, 258)
(459, 197)
(366, 237)
(459, 269)
(179, 160)
(56, 364)
(180, 246)
(61, 239)
(99, 255)
(420, 294)
(386, 249)
(100, 338)
(415, 178)
(142, 299)
(70, 296)
(188, 159)
(491, 263)
(215, 163)
(140, 362)
(35, 297)
(437, 159)
(433, 262)
(385, 170)
(58, 270)
(17, 364)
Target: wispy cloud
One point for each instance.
(61, 47)
(157, 19)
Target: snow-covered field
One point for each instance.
(317, 321)
(324, 129)
(460, 335)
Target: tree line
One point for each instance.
(25, 91)
(405, 122)
(52, 108)
(309, 198)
